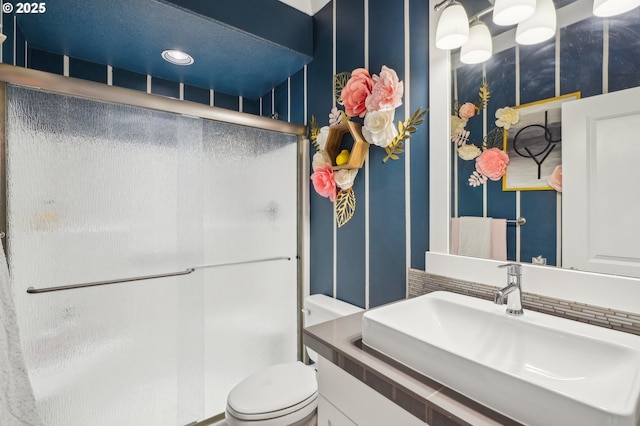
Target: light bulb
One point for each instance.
(453, 27)
(540, 27)
(479, 47)
(511, 12)
(604, 8)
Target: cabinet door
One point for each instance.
(356, 402)
(329, 415)
(600, 151)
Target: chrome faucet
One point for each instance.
(514, 301)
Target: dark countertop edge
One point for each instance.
(340, 342)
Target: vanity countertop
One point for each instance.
(340, 341)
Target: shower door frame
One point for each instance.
(45, 81)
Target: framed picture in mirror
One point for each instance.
(534, 145)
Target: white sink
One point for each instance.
(537, 369)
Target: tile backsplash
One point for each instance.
(421, 282)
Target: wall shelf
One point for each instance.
(360, 145)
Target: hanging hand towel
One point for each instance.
(474, 237)
(479, 237)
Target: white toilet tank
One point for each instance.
(320, 308)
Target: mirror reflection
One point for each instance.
(506, 123)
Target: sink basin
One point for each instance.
(536, 369)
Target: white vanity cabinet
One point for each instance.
(346, 401)
(329, 415)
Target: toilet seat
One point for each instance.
(281, 390)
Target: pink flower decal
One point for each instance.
(555, 179)
(323, 182)
(387, 91)
(467, 111)
(492, 163)
(355, 93)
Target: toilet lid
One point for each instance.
(273, 389)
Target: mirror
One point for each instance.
(571, 62)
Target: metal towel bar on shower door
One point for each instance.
(32, 290)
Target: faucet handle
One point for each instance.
(512, 268)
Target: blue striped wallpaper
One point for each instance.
(350, 242)
(419, 158)
(387, 184)
(500, 71)
(371, 253)
(320, 99)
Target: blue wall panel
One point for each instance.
(500, 71)
(8, 46)
(539, 234)
(196, 94)
(267, 107)
(160, 86)
(351, 237)
(537, 76)
(320, 74)
(297, 98)
(21, 48)
(87, 70)
(44, 61)
(419, 164)
(251, 106)
(581, 58)
(282, 101)
(537, 71)
(129, 79)
(470, 199)
(222, 100)
(387, 181)
(624, 51)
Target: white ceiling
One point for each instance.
(310, 7)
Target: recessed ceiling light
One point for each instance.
(177, 57)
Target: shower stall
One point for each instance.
(154, 247)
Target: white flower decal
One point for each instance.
(345, 178)
(507, 117)
(322, 137)
(378, 127)
(468, 152)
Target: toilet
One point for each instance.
(285, 394)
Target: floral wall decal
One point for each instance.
(491, 161)
(555, 179)
(373, 100)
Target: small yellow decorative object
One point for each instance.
(343, 157)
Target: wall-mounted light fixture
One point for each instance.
(536, 20)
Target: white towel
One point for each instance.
(479, 237)
(474, 238)
(17, 404)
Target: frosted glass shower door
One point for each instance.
(98, 191)
(250, 213)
